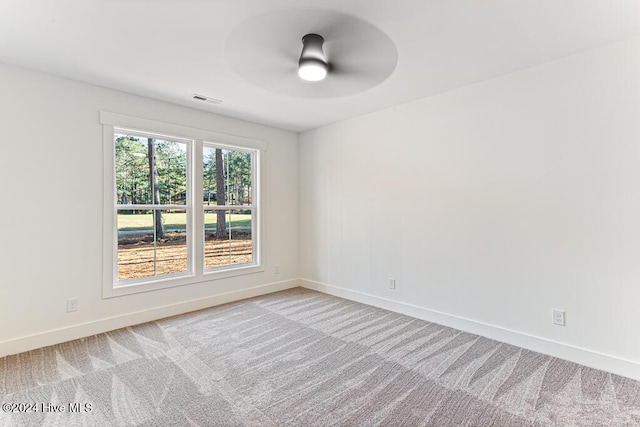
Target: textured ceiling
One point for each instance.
(171, 49)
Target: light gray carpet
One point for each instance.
(302, 358)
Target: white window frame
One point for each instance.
(194, 206)
(255, 199)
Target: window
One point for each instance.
(227, 206)
(181, 205)
(151, 206)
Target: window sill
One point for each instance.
(174, 281)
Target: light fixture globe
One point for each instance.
(312, 70)
(313, 65)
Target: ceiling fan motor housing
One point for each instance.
(312, 65)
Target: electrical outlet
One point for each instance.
(558, 317)
(392, 283)
(72, 305)
(276, 269)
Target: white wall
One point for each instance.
(51, 214)
(491, 205)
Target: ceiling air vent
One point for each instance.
(207, 99)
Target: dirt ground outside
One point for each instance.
(136, 253)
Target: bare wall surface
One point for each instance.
(52, 210)
(496, 202)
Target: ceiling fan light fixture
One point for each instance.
(313, 65)
(312, 70)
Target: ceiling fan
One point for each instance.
(311, 53)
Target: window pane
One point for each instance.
(171, 167)
(138, 181)
(147, 250)
(227, 177)
(136, 255)
(238, 178)
(132, 170)
(210, 177)
(171, 248)
(241, 246)
(216, 239)
(231, 243)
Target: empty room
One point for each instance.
(320, 213)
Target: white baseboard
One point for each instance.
(57, 336)
(593, 359)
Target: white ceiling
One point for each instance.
(171, 49)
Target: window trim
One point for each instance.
(197, 138)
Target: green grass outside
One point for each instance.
(177, 221)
